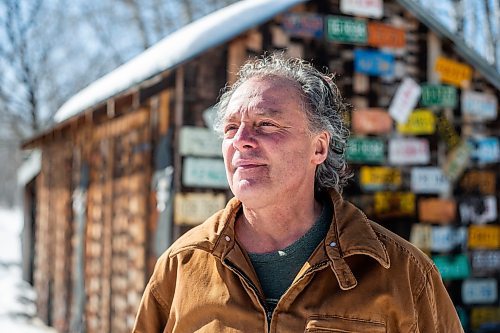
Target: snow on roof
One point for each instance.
(30, 168)
(180, 46)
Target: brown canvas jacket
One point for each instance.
(361, 278)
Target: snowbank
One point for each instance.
(17, 301)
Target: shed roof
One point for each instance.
(178, 47)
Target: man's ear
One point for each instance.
(321, 147)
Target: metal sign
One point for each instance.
(484, 314)
(421, 236)
(478, 210)
(436, 210)
(394, 204)
(447, 132)
(453, 72)
(485, 262)
(344, 29)
(303, 24)
(420, 122)
(406, 151)
(478, 106)
(378, 178)
(479, 291)
(484, 237)
(457, 161)
(485, 150)
(204, 172)
(439, 95)
(199, 141)
(447, 238)
(371, 121)
(194, 208)
(429, 180)
(374, 63)
(479, 182)
(452, 267)
(384, 35)
(404, 100)
(365, 150)
(368, 8)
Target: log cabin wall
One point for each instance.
(53, 235)
(94, 225)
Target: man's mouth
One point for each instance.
(247, 165)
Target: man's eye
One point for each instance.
(229, 128)
(266, 124)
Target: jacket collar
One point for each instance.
(350, 234)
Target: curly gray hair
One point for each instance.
(323, 106)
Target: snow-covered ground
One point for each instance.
(17, 307)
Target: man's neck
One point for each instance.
(270, 229)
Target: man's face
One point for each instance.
(269, 152)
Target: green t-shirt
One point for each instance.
(277, 270)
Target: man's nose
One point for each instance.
(244, 137)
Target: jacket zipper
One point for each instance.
(249, 282)
(252, 286)
(310, 270)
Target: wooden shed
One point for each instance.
(131, 163)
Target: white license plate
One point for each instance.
(479, 291)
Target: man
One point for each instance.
(288, 254)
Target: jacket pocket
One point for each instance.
(331, 323)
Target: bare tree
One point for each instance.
(131, 26)
(51, 49)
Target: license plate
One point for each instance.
(421, 236)
(345, 29)
(452, 267)
(478, 106)
(303, 25)
(484, 237)
(429, 180)
(453, 72)
(420, 122)
(479, 181)
(482, 315)
(194, 208)
(365, 150)
(436, 210)
(485, 150)
(447, 238)
(479, 291)
(394, 204)
(439, 95)
(371, 121)
(485, 262)
(405, 151)
(478, 210)
(376, 178)
(457, 161)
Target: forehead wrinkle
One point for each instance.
(261, 112)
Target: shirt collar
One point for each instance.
(350, 234)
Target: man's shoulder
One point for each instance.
(400, 250)
(206, 235)
(202, 236)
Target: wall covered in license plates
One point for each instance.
(424, 141)
(142, 167)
